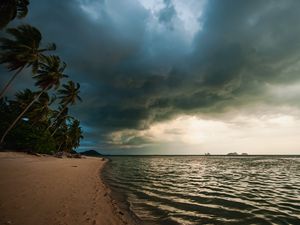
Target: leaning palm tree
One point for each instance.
(23, 50)
(23, 98)
(63, 117)
(21, 101)
(49, 74)
(10, 9)
(41, 111)
(68, 95)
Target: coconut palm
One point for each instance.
(68, 95)
(61, 138)
(69, 135)
(23, 50)
(41, 111)
(49, 74)
(10, 9)
(75, 133)
(22, 8)
(23, 98)
(20, 102)
(60, 120)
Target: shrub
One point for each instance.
(25, 137)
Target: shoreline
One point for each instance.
(119, 199)
(49, 190)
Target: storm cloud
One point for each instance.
(142, 62)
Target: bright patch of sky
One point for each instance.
(188, 14)
(269, 133)
(187, 18)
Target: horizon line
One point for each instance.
(298, 155)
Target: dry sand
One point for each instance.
(52, 191)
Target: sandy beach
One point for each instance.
(53, 191)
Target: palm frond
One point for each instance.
(50, 72)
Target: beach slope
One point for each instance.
(48, 190)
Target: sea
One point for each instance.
(188, 190)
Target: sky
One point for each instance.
(179, 77)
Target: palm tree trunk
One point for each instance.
(10, 81)
(20, 116)
(55, 130)
(57, 117)
(60, 146)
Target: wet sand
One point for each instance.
(54, 191)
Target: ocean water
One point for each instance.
(208, 190)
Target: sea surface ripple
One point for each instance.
(208, 190)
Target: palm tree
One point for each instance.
(22, 51)
(61, 138)
(41, 111)
(21, 101)
(9, 9)
(49, 74)
(75, 134)
(23, 98)
(68, 95)
(61, 119)
(69, 135)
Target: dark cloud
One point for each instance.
(168, 13)
(135, 72)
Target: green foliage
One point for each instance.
(28, 122)
(69, 135)
(10, 9)
(7, 113)
(45, 144)
(22, 49)
(69, 94)
(26, 137)
(50, 72)
(22, 8)
(30, 133)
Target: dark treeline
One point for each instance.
(35, 120)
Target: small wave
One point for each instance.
(209, 190)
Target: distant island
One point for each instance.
(91, 153)
(236, 154)
(233, 153)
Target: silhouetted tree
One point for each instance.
(23, 50)
(49, 73)
(10, 9)
(68, 95)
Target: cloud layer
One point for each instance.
(143, 62)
